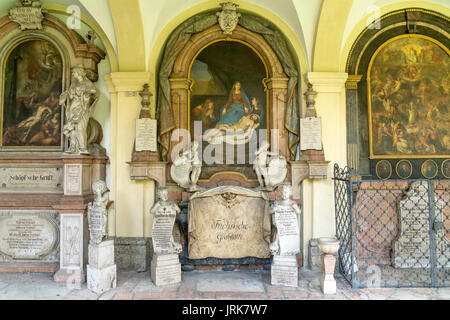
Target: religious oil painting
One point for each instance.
(409, 100)
(31, 86)
(228, 95)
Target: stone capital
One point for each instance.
(352, 81)
(126, 81)
(277, 83)
(327, 82)
(180, 83)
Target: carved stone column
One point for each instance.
(277, 88)
(352, 120)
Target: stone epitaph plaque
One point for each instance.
(162, 233)
(73, 179)
(229, 222)
(411, 249)
(284, 271)
(288, 230)
(146, 134)
(310, 133)
(29, 235)
(31, 179)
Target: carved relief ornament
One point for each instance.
(228, 17)
(28, 14)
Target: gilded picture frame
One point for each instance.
(396, 125)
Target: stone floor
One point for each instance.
(203, 285)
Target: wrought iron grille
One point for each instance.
(392, 233)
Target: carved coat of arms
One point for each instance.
(228, 17)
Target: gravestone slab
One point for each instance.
(411, 249)
(229, 222)
(29, 235)
(288, 229)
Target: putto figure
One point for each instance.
(271, 171)
(97, 217)
(187, 167)
(79, 101)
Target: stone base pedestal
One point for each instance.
(284, 271)
(101, 270)
(71, 276)
(165, 269)
(101, 280)
(328, 284)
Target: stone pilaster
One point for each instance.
(352, 120)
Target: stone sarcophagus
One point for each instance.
(228, 223)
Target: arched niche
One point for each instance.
(71, 48)
(407, 23)
(276, 85)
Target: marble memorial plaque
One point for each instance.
(229, 222)
(146, 135)
(310, 134)
(29, 235)
(288, 230)
(73, 179)
(411, 249)
(31, 179)
(162, 232)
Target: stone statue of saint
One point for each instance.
(97, 215)
(164, 213)
(79, 101)
(186, 168)
(271, 171)
(287, 210)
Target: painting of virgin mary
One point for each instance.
(236, 107)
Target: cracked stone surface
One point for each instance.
(221, 285)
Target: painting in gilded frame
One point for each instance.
(31, 86)
(408, 86)
(228, 96)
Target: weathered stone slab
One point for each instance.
(288, 229)
(165, 269)
(229, 222)
(29, 235)
(284, 271)
(411, 248)
(25, 179)
(101, 255)
(101, 280)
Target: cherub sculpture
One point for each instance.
(271, 171)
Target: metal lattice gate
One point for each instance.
(393, 233)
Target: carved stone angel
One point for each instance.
(270, 167)
(79, 101)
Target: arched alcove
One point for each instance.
(278, 82)
(411, 24)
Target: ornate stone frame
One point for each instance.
(72, 48)
(277, 82)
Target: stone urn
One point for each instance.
(329, 247)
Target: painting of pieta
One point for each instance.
(228, 100)
(409, 100)
(31, 86)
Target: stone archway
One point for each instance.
(276, 84)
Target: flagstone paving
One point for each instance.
(235, 285)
